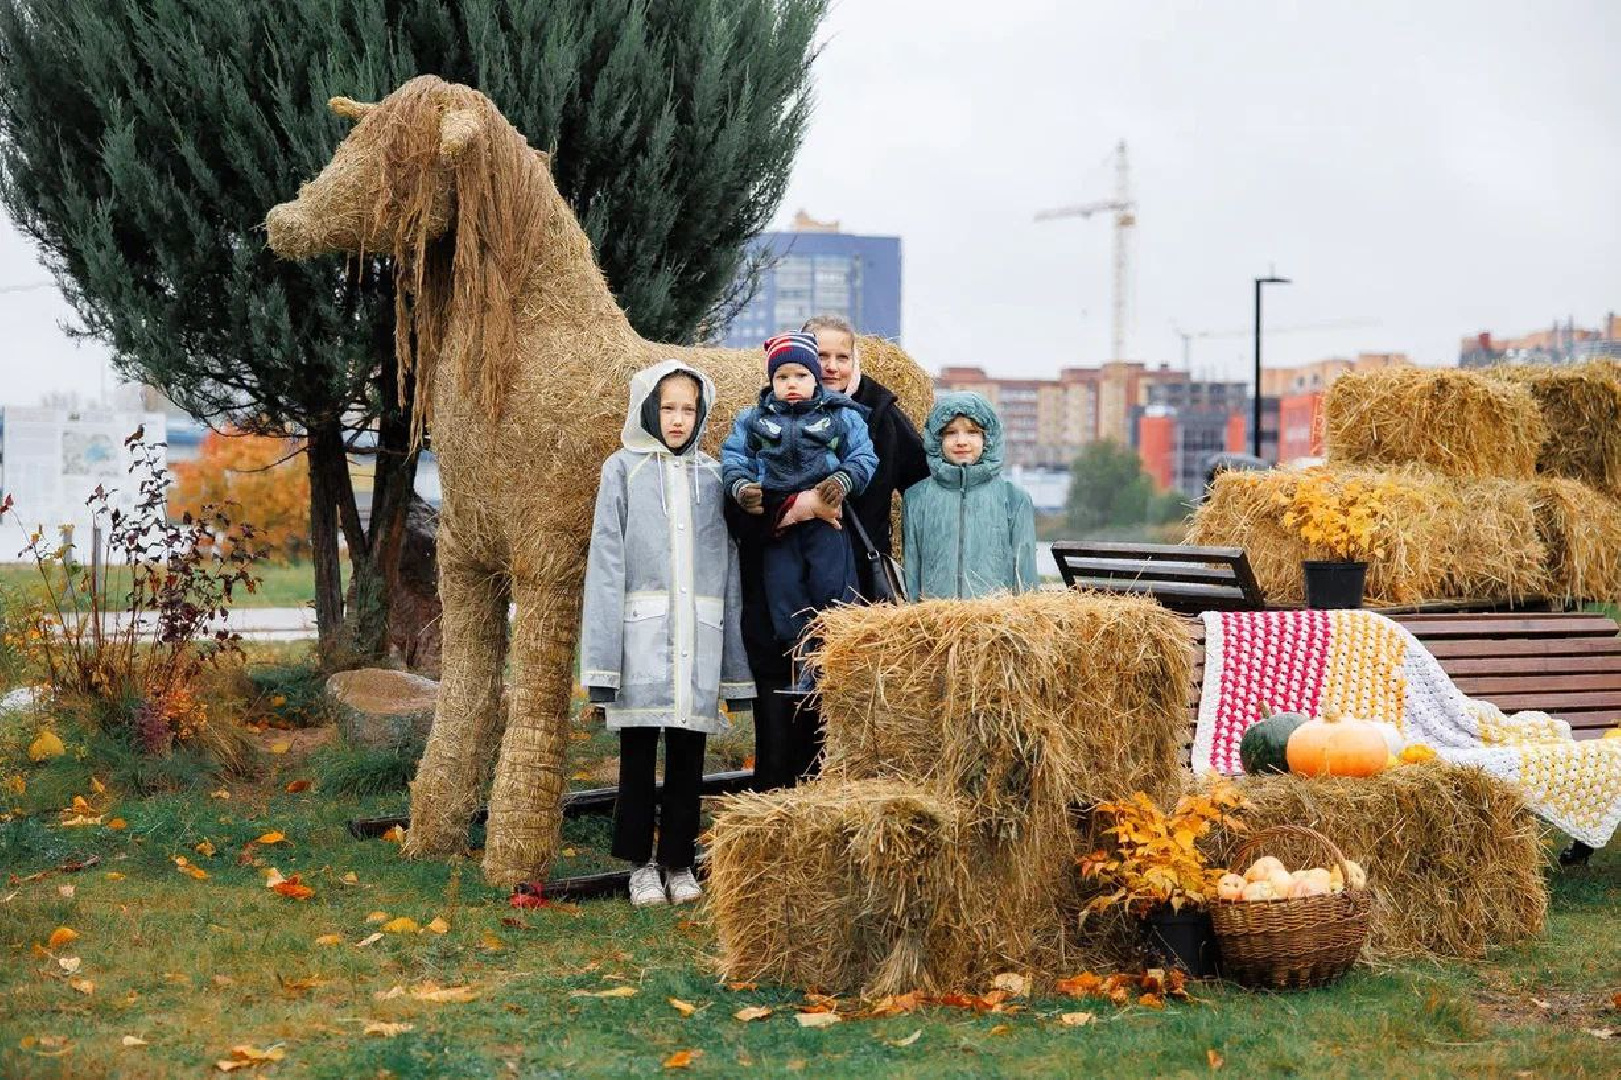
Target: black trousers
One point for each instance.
(639, 805)
(787, 738)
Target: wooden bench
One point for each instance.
(1567, 664)
(1182, 577)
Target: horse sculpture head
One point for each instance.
(434, 177)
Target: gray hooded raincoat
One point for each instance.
(662, 601)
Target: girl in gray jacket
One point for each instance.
(660, 640)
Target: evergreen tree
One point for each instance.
(142, 141)
(1109, 489)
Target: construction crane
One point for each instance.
(1188, 336)
(1125, 217)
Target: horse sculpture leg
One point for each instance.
(446, 789)
(526, 798)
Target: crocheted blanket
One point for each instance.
(1364, 665)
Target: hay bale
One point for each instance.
(1446, 538)
(883, 886)
(1021, 705)
(1459, 423)
(838, 886)
(1581, 405)
(1454, 858)
(1581, 529)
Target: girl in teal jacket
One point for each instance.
(968, 532)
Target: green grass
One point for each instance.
(195, 967)
(291, 585)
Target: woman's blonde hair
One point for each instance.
(833, 322)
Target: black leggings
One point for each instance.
(787, 738)
(640, 803)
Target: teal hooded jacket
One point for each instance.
(968, 532)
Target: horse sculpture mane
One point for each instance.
(465, 272)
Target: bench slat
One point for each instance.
(1487, 685)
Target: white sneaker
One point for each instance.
(683, 887)
(646, 887)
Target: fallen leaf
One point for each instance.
(329, 939)
(1001, 1029)
(177, 978)
(395, 835)
(272, 838)
(118, 823)
(79, 821)
(114, 875)
(61, 936)
(402, 925)
(742, 986)
(685, 1008)
(223, 980)
(491, 942)
(247, 855)
(298, 986)
(1214, 1058)
(369, 939)
(908, 1041)
(568, 853)
(442, 994)
(1600, 1033)
(438, 925)
(388, 1031)
(294, 888)
(185, 867)
(1152, 1001)
(1076, 1019)
(204, 849)
(47, 745)
(220, 794)
(297, 786)
(244, 1057)
(17, 785)
(752, 1012)
(83, 986)
(351, 878)
(49, 1045)
(378, 917)
(816, 1019)
(273, 877)
(615, 992)
(682, 1059)
(131, 1040)
(281, 747)
(1082, 984)
(899, 1003)
(1015, 984)
(69, 964)
(513, 922)
(1615, 1001)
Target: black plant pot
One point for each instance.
(1182, 939)
(1334, 584)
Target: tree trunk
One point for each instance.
(324, 536)
(376, 567)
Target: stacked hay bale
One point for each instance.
(987, 727)
(1505, 485)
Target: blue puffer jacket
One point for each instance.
(968, 532)
(793, 446)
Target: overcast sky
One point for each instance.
(1434, 169)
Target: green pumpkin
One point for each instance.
(1265, 746)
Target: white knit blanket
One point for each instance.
(1367, 666)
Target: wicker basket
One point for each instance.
(1291, 944)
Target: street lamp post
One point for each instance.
(1255, 425)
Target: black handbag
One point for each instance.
(887, 584)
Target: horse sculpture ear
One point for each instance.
(349, 108)
(459, 129)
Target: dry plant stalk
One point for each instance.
(1581, 404)
(1454, 859)
(1459, 423)
(1443, 538)
(522, 359)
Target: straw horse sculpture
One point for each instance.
(522, 359)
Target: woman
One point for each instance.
(787, 731)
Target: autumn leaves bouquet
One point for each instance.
(1339, 517)
(1155, 861)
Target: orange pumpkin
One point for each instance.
(1333, 747)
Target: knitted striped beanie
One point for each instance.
(795, 348)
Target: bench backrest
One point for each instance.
(1567, 664)
(1182, 577)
